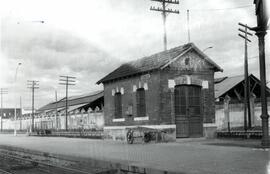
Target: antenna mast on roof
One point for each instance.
(165, 11)
(188, 28)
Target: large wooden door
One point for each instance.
(188, 117)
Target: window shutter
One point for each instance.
(118, 105)
(140, 98)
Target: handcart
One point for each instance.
(143, 134)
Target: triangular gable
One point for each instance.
(176, 58)
(200, 54)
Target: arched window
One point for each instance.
(140, 98)
(118, 105)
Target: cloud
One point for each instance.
(97, 37)
(47, 53)
(51, 49)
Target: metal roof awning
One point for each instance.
(74, 107)
(50, 110)
(74, 100)
(60, 109)
(227, 84)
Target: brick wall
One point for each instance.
(200, 70)
(158, 96)
(166, 94)
(129, 99)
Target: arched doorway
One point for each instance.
(188, 111)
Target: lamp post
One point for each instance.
(262, 25)
(15, 114)
(207, 48)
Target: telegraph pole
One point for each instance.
(67, 80)
(247, 83)
(262, 21)
(2, 92)
(165, 11)
(21, 113)
(56, 112)
(33, 84)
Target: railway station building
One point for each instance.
(172, 90)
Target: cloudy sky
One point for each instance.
(88, 39)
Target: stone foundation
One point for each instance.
(209, 130)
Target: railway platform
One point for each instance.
(189, 156)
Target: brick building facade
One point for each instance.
(171, 89)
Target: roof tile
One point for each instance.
(150, 63)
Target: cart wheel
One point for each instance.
(147, 137)
(130, 137)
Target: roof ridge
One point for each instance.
(74, 99)
(143, 64)
(164, 51)
(85, 94)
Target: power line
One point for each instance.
(253, 57)
(32, 84)
(221, 9)
(67, 81)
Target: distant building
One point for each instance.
(8, 113)
(84, 111)
(27, 110)
(229, 95)
(171, 89)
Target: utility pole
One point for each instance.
(56, 112)
(262, 14)
(21, 113)
(165, 11)
(33, 84)
(67, 80)
(247, 83)
(2, 92)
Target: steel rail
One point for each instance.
(5, 172)
(46, 164)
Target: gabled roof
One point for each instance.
(155, 61)
(218, 80)
(74, 100)
(225, 84)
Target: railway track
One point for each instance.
(23, 163)
(4, 172)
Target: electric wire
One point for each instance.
(222, 9)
